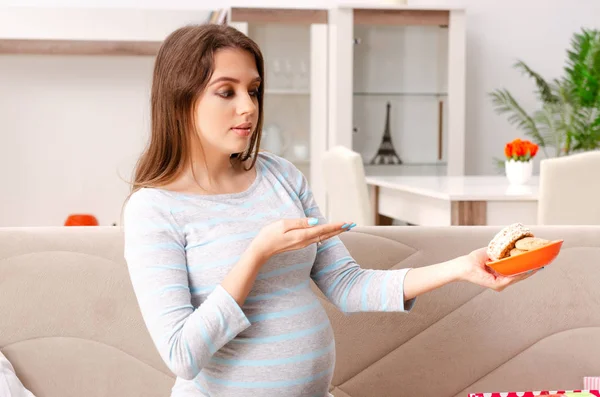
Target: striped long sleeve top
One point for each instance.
(178, 249)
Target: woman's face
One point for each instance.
(227, 111)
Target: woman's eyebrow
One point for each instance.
(233, 80)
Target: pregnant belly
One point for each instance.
(288, 350)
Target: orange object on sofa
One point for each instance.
(81, 220)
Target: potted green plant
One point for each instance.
(568, 118)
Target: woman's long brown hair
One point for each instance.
(183, 67)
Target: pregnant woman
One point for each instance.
(221, 240)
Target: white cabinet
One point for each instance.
(294, 46)
(412, 59)
(361, 59)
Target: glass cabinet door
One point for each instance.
(407, 77)
(294, 45)
(400, 87)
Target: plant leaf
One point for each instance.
(505, 104)
(544, 91)
(583, 67)
(551, 125)
(499, 164)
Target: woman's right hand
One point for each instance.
(292, 234)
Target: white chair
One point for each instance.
(570, 190)
(346, 187)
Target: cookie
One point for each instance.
(516, 251)
(530, 243)
(505, 240)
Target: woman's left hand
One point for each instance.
(472, 268)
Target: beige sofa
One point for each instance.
(69, 321)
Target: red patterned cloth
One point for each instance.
(591, 382)
(536, 393)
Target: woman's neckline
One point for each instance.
(257, 167)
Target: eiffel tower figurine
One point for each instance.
(386, 153)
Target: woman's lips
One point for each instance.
(244, 129)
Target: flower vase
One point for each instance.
(518, 172)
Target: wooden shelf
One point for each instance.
(79, 47)
(279, 15)
(90, 31)
(400, 16)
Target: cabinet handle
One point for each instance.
(440, 128)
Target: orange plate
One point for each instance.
(527, 261)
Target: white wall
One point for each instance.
(70, 130)
(54, 106)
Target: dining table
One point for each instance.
(440, 200)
